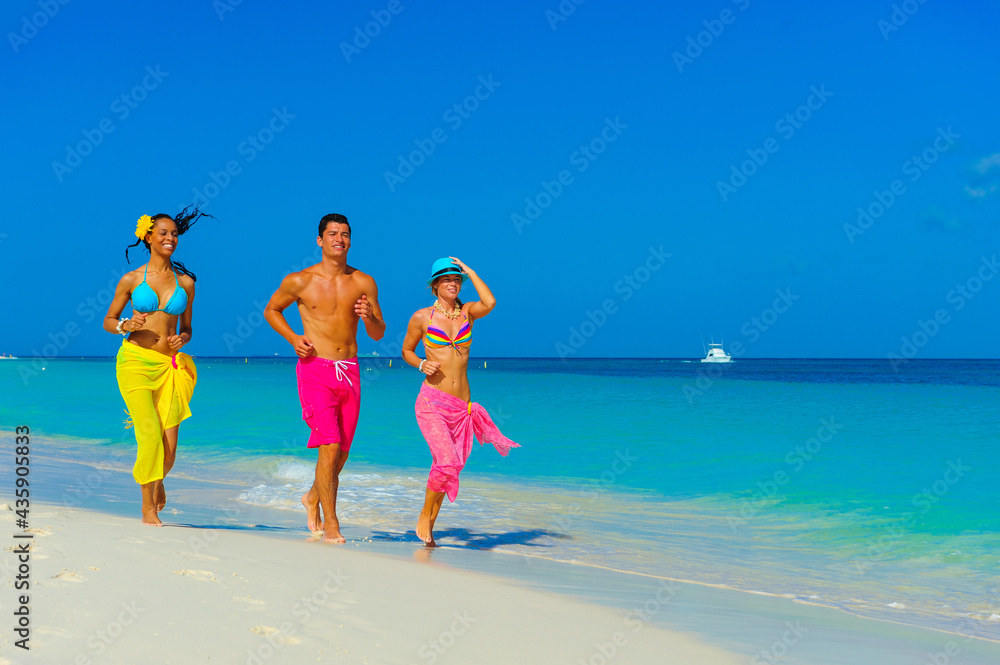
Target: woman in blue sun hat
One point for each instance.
(446, 414)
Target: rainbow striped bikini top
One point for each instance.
(438, 339)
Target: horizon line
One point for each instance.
(366, 357)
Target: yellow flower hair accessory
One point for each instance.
(143, 226)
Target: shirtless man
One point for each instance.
(332, 297)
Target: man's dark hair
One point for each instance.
(333, 218)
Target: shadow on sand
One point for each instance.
(475, 541)
(234, 527)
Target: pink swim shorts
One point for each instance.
(330, 392)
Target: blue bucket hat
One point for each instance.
(445, 266)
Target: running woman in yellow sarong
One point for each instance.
(155, 379)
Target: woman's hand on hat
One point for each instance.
(466, 269)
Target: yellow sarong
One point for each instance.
(157, 389)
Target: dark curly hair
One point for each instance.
(184, 220)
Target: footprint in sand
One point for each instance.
(248, 600)
(204, 575)
(68, 576)
(273, 634)
(54, 632)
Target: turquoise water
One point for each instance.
(840, 482)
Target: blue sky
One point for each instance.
(628, 179)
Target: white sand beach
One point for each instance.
(106, 589)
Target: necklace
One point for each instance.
(454, 314)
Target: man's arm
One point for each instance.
(287, 294)
(367, 308)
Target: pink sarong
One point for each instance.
(448, 423)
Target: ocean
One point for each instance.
(843, 483)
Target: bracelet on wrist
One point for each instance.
(421, 366)
(120, 328)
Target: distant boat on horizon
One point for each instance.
(716, 354)
(4, 356)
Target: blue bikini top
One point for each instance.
(145, 300)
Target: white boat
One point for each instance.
(6, 357)
(716, 355)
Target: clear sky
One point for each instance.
(629, 178)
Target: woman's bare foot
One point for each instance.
(313, 520)
(161, 496)
(150, 518)
(149, 509)
(425, 529)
